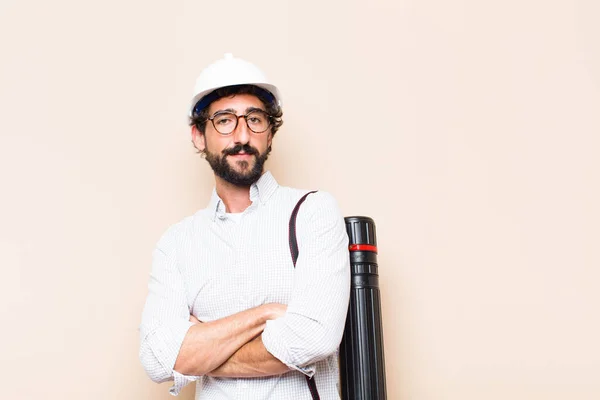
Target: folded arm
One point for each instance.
(250, 361)
(207, 346)
(254, 342)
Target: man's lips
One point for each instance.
(241, 155)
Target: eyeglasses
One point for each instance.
(225, 122)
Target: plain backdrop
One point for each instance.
(469, 130)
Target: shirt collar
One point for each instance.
(262, 191)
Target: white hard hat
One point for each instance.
(230, 71)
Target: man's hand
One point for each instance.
(275, 310)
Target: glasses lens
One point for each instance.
(225, 122)
(258, 121)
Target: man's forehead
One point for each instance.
(238, 103)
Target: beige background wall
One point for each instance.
(471, 126)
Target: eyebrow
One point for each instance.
(231, 110)
(250, 109)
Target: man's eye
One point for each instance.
(255, 120)
(224, 121)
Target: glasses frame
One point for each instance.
(237, 120)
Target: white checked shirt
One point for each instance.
(211, 266)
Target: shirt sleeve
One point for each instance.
(165, 320)
(313, 325)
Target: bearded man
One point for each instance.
(228, 307)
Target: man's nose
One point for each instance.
(241, 134)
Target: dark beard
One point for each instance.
(223, 170)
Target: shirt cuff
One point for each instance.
(276, 346)
(180, 381)
(166, 341)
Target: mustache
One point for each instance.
(239, 147)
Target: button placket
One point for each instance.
(241, 263)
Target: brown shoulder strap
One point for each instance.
(292, 228)
(312, 386)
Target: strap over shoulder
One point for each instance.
(292, 228)
(312, 386)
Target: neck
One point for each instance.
(235, 198)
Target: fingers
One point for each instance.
(276, 310)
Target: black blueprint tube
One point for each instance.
(362, 363)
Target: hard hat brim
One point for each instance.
(271, 88)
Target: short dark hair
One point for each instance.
(199, 119)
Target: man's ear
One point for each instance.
(198, 139)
